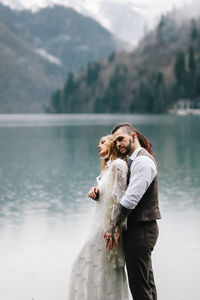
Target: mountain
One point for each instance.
(26, 79)
(72, 38)
(121, 18)
(38, 49)
(162, 69)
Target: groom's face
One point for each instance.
(123, 142)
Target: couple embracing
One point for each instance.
(124, 228)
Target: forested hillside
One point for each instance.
(164, 68)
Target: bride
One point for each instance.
(98, 274)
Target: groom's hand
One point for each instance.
(94, 192)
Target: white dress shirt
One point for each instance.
(142, 172)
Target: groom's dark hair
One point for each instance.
(128, 128)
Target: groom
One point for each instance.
(140, 206)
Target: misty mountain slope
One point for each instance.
(26, 78)
(62, 32)
(38, 49)
(122, 19)
(147, 80)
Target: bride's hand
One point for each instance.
(109, 243)
(111, 237)
(94, 192)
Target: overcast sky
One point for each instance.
(149, 7)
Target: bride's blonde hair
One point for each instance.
(112, 153)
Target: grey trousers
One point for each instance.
(139, 241)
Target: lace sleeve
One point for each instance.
(119, 170)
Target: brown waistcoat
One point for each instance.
(147, 209)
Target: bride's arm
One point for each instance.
(119, 172)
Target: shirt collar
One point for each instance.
(134, 154)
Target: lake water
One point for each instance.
(48, 163)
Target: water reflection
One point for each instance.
(46, 167)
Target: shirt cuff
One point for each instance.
(123, 210)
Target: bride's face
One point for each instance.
(103, 147)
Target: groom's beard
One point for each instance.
(128, 149)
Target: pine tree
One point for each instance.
(192, 73)
(194, 31)
(180, 74)
(55, 102)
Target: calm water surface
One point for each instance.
(48, 163)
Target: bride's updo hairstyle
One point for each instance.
(112, 152)
(129, 129)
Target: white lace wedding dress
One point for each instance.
(98, 274)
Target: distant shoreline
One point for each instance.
(183, 112)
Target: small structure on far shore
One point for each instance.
(186, 107)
